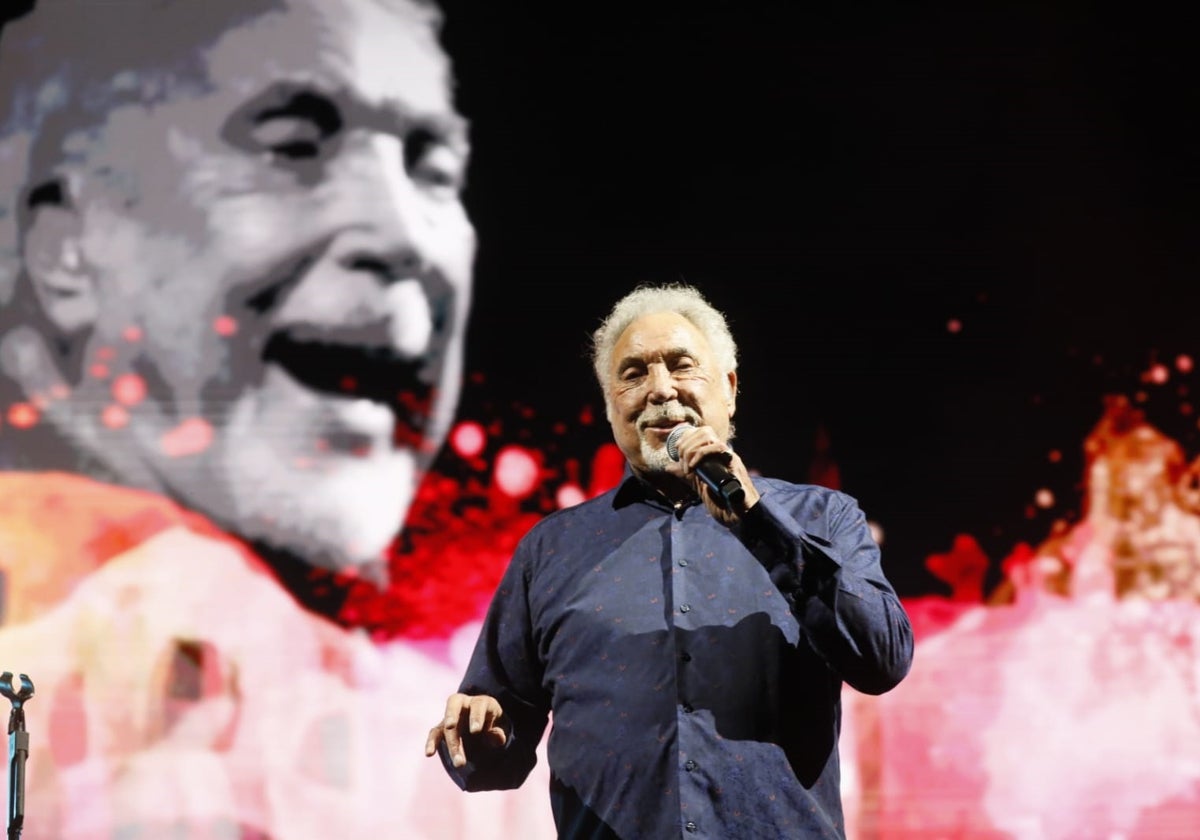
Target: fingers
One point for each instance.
(448, 730)
(480, 714)
(434, 739)
(703, 442)
(699, 443)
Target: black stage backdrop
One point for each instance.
(850, 182)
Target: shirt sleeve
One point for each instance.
(505, 665)
(835, 585)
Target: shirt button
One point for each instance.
(690, 826)
(687, 708)
(689, 765)
(685, 608)
(682, 562)
(685, 656)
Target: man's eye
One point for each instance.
(297, 129)
(291, 137)
(434, 163)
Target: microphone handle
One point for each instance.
(726, 490)
(724, 486)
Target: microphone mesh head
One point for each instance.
(673, 440)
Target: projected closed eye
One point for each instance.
(435, 162)
(299, 129)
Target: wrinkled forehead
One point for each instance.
(656, 335)
(160, 49)
(386, 50)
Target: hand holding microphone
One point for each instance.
(725, 489)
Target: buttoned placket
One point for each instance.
(692, 784)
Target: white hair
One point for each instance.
(681, 298)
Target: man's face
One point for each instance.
(663, 374)
(282, 268)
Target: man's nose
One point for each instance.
(390, 231)
(389, 246)
(661, 384)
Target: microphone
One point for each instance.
(726, 490)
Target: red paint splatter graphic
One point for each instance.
(463, 528)
(963, 568)
(1089, 626)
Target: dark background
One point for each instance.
(843, 179)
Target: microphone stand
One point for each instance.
(18, 750)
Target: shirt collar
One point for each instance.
(633, 488)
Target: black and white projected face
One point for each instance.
(241, 265)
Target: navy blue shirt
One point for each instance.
(693, 672)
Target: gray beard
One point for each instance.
(656, 459)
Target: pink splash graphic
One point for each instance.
(1065, 703)
(516, 472)
(1158, 374)
(190, 437)
(129, 389)
(468, 439)
(114, 417)
(569, 495)
(22, 416)
(225, 325)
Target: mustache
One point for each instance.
(671, 412)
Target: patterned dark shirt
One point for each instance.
(693, 672)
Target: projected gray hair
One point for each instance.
(64, 66)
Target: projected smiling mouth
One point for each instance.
(370, 373)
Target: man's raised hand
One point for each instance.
(480, 714)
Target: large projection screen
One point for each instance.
(294, 306)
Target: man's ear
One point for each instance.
(52, 252)
(731, 391)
